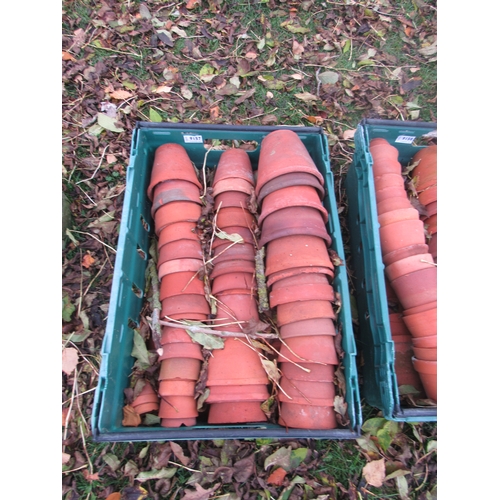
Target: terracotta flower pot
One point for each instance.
(296, 271)
(293, 196)
(301, 279)
(401, 234)
(237, 393)
(147, 396)
(433, 246)
(235, 281)
(243, 232)
(171, 162)
(187, 283)
(403, 366)
(316, 326)
(309, 349)
(390, 192)
(233, 216)
(177, 388)
(422, 324)
(178, 407)
(425, 173)
(232, 266)
(389, 180)
(236, 413)
(428, 196)
(234, 163)
(241, 185)
(425, 342)
(428, 375)
(431, 224)
(397, 324)
(296, 251)
(418, 309)
(298, 293)
(234, 251)
(431, 209)
(402, 253)
(409, 265)
(232, 199)
(306, 393)
(381, 149)
(307, 416)
(308, 309)
(170, 335)
(178, 231)
(417, 288)
(146, 408)
(177, 211)
(402, 339)
(178, 422)
(292, 179)
(181, 350)
(241, 307)
(398, 215)
(169, 191)
(316, 373)
(185, 304)
(179, 266)
(425, 353)
(293, 221)
(180, 369)
(391, 204)
(283, 152)
(180, 249)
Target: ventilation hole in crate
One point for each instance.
(358, 220)
(223, 144)
(141, 252)
(132, 324)
(137, 291)
(359, 249)
(145, 225)
(363, 283)
(367, 316)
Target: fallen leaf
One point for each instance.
(329, 77)
(121, 94)
(112, 460)
(228, 89)
(297, 48)
(276, 477)
(296, 29)
(130, 417)
(162, 89)
(374, 472)
(179, 32)
(306, 96)
(87, 260)
(66, 56)
(117, 495)
(271, 369)
(90, 477)
(111, 159)
(108, 123)
(429, 49)
(251, 55)
(280, 457)
(134, 493)
(165, 37)
(186, 93)
(65, 458)
(348, 134)
(245, 96)
(234, 237)
(67, 308)
(200, 493)
(192, 4)
(214, 112)
(154, 116)
(165, 473)
(69, 360)
(179, 453)
(65, 412)
(268, 119)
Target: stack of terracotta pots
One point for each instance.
(175, 191)
(409, 267)
(298, 272)
(147, 400)
(425, 181)
(236, 377)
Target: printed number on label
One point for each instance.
(405, 139)
(193, 138)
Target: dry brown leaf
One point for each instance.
(297, 48)
(65, 458)
(374, 472)
(130, 417)
(114, 496)
(66, 56)
(111, 159)
(214, 112)
(192, 4)
(121, 94)
(87, 260)
(277, 477)
(179, 453)
(251, 55)
(65, 412)
(348, 134)
(69, 360)
(306, 96)
(90, 477)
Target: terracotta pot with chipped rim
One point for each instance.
(236, 413)
(295, 271)
(315, 326)
(234, 281)
(180, 369)
(236, 364)
(234, 251)
(308, 309)
(402, 253)
(408, 265)
(178, 407)
(401, 234)
(428, 375)
(178, 422)
(398, 215)
(293, 221)
(180, 249)
(422, 324)
(306, 393)
(181, 350)
(177, 388)
(178, 231)
(425, 353)
(237, 393)
(176, 190)
(283, 152)
(425, 173)
(181, 283)
(240, 185)
(171, 335)
(177, 211)
(234, 216)
(389, 180)
(234, 163)
(425, 342)
(395, 203)
(307, 416)
(417, 288)
(243, 232)
(293, 196)
(179, 266)
(232, 266)
(171, 162)
(292, 179)
(296, 251)
(232, 199)
(185, 304)
(146, 408)
(316, 373)
(309, 349)
(300, 292)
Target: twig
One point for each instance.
(94, 278)
(203, 170)
(84, 466)
(98, 166)
(78, 395)
(80, 299)
(66, 422)
(256, 116)
(260, 277)
(156, 305)
(92, 236)
(183, 466)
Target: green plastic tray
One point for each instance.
(379, 385)
(130, 266)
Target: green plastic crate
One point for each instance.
(379, 386)
(130, 265)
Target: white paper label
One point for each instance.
(193, 138)
(405, 139)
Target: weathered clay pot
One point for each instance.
(234, 281)
(147, 396)
(308, 309)
(232, 199)
(309, 349)
(398, 215)
(316, 326)
(425, 353)
(408, 265)
(401, 234)
(381, 149)
(390, 192)
(180, 369)
(431, 224)
(175, 190)
(241, 185)
(177, 407)
(403, 366)
(428, 375)
(181, 350)
(306, 393)
(389, 180)
(397, 325)
(180, 249)
(184, 304)
(179, 266)
(178, 231)
(232, 266)
(431, 209)
(171, 335)
(425, 342)
(146, 407)
(433, 244)
(300, 292)
(418, 309)
(181, 283)
(243, 232)
(301, 279)
(402, 253)
(428, 196)
(241, 307)
(237, 393)
(234, 216)
(177, 388)
(293, 221)
(316, 373)
(417, 288)
(425, 173)
(178, 422)
(422, 324)
(234, 163)
(395, 203)
(295, 271)
(234, 251)
(171, 162)
(177, 211)
(236, 413)
(292, 179)
(307, 416)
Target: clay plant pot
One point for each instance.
(302, 392)
(296, 251)
(232, 199)
(178, 422)
(236, 413)
(390, 192)
(425, 173)
(187, 283)
(236, 364)
(301, 279)
(293, 196)
(146, 408)
(307, 416)
(401, 339)
(298, 293)
(425, 342)
(178, 231)
(180, 249)
(234, 163)
(433, 246)
(181, 350)
(398, 215)
(390, 204)
(316, 326)
(233, 216)
(408, 265)
(234, 251)
(178, 407)
(403, 253)
(177, 211)
(296, 271)
(422, 324)
(179, 266)
(431, 224)
(292, 179)
(171, 162)
(428, 196)
(293, 221)
(147, 396)
(235, 281)
(389, 180)
(381, 149)
(397, 325)
(418, 309)
(428, 375)
(180, 369)
(282, 152)
(177, 388)
(171, 335)
(309, 349)
(431, 209)
(240, 307)
(240, 185)
(401, 234)
(425, 353)
(308, 309)
(237, 393)
(417, 288)
(242, 232)
(315, 373)
(185, 304)
(403, 366)
(232, 266)
(169, 191)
